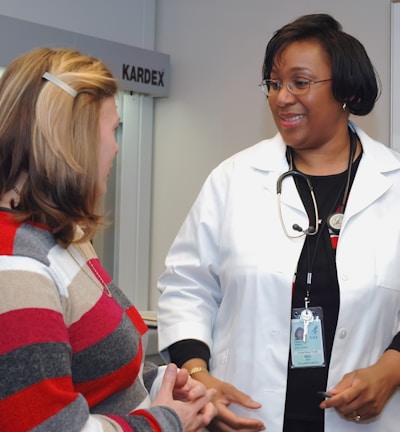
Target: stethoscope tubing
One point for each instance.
(311, 230)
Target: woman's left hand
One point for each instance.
(363, 393)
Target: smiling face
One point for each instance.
(109, 121)
(313, 119)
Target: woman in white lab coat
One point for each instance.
(302, 230)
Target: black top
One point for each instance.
(317, 257)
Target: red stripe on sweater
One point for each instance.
(137, 320)
(94, 329)
(29, 326)
(152, 421)
(97, 390)
(34, 405)
(8, 234)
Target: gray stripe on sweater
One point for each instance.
(47, 360)
(71, 419)
(34, 243)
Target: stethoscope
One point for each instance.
(334, 220)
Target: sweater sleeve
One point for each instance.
(55, 375)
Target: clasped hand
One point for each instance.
(187, 397)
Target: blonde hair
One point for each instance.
(54, 137)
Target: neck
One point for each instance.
(330, 159)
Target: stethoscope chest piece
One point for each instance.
(334, 222)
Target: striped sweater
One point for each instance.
(71, 356)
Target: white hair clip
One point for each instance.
(50, 77)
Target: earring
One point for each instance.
(344, 106)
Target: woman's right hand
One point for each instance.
(226, 420)
(187, 397)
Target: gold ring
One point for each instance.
(356, 417)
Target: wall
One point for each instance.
(132, 22)
(215, 107)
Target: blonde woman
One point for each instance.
(71, 354)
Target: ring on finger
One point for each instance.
(356, 417)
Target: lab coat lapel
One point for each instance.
(369, 184)
(371, 180)
(271, 159)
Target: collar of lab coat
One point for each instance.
(372, 179)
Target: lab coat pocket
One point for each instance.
(388, 265)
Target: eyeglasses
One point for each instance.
(296, 86)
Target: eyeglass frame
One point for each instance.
(264, 86)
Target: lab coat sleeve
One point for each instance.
(190, 289)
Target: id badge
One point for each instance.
(307, 339)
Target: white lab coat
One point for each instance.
(229, 275)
